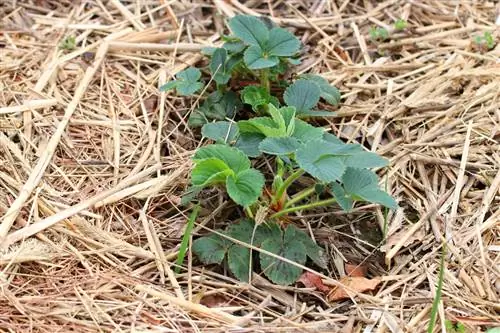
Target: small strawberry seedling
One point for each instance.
(251, 112)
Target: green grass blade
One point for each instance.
(439, 289)
(185, 238)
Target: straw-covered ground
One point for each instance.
(94, 160)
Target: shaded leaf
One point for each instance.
(238, 258)
(245, 187)
(276, 270)
(313, 250)
(303, 95)
(249, 143)
(265, 231)
(220, 131)
(186, 82)
(210, 249)
(234, 46)
(242, 230)
(357, 283)
(218, 66)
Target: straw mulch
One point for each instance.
(94, 159)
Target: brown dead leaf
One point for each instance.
(355, 270)
(357, 283)
(311, 280)
(214, 301)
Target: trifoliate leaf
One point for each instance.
(238, 259)
(313, 250)
(249, 29)
(328, 92)
(210, 171)
(362, 184)
(169, 85)
(249, 143)
(279, 146)
(289, 247)
(235, 159)
(303, 95)
(319, 160)
(225, 105)
(282, 43)
(305, 132)
(255, 58)
(343, 199)
(245, 187)
(220, 131)
(210, 249)
(186, 82)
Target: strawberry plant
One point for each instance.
(253, 112)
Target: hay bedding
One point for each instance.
(94, 159)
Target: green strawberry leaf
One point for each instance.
(328, 92)
(282, 43)
(332, 138)
(263, 125)
(316, 113)
(313, 250)
(211, 249)
(305, 132)
(303, 95)
(279, 146)
(186, 82)
(220, 131)
(245, 187)
(256, 58)
(289, 247)
(197, 118)
(277, 117)
(343, 199)
(319, 160)
(210, 171)
(234, 46)
(265, 231)
(235, 159)
(218, 66)
(256, 96)
(249, 29)
(238, 259)
(362, 184)
(365, 159)
(249, 143)
(242, 230)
